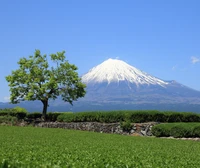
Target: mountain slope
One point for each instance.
(115, 81)
(113, 70)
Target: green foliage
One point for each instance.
(126, 126)
(9, 120)
(35, 115)
(36, 80)
(20, 113)
(180, 132)
(132, 116)
(107, 117)
(196, 131)
(5, 164)
(161, 130)
(177, 130)
(20, 109)
(45, 147)
(53, 116)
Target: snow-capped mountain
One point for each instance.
(118, 84)
(114, 70)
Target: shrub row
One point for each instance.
(107, 117)
(177, 130)
(34, 115)
(14, 112)
(50, 116)
(8, 120)
(132, 116)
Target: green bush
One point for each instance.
(161, 130)
(34, 115)
(64, 118)
(126, 126)
(4, 113)
(52, 116)
(107, 117)
(174, 117)
(8, 120)
(132, 116)
(19, 115)
(159, 117)
(111, 117)
(18, 112)
(191, 117)
(196, 131)
(20, 109)
(177, 130)
(143, 116)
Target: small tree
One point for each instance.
(36, 80)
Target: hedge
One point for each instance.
(132, 116)
(34, 115)
(177, 130)
(11, 120)
(108, 116)
(51, 116)
(13, 112)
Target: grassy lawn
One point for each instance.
(45, 147)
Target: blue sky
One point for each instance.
(161, 38)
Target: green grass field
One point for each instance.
(45, 147)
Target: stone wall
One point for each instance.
(137, 129)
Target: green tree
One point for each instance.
(36, 80)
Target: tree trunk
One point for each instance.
(44, 112)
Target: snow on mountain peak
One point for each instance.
(115, 70)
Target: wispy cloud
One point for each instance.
(174, 67)
(179, 68)
(6, 98)
(194, 60)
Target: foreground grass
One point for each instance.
(45, 147)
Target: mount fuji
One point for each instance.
(114, 70)
(116, 85)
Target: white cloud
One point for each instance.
(6, 98)
(194, 60)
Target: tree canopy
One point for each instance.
(42, 78)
